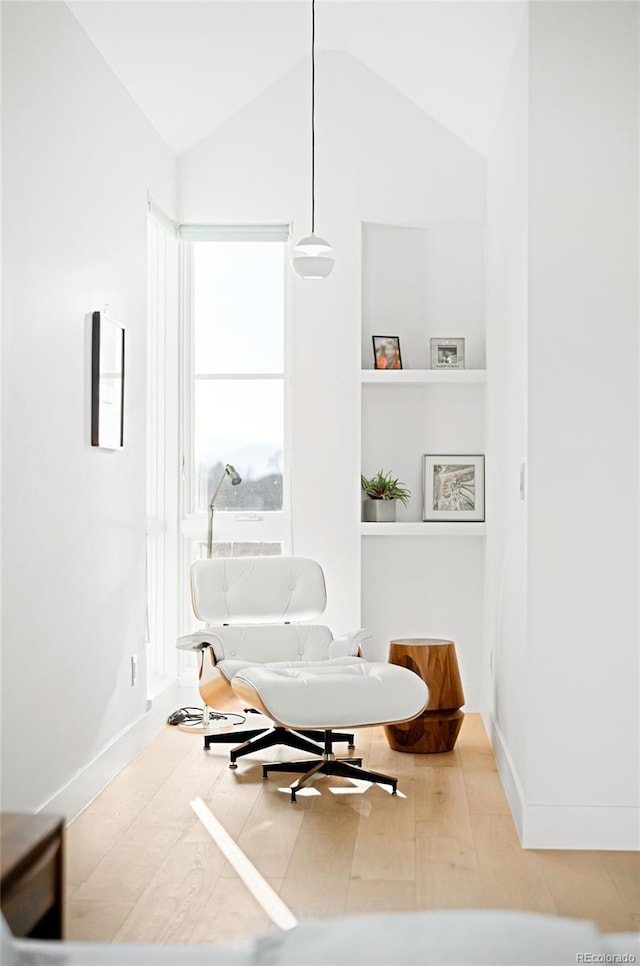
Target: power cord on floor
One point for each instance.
(193, 717)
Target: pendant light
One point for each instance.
(313, 262)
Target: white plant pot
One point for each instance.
(380, 511)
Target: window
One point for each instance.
(237, 389)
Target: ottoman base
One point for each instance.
(302, 740)
(328, 765)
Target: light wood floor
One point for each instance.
(141, 867)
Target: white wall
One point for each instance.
(505, 658)
(74, 227)
(566, 686)
(421, 283)
(379, 159)
(583, 428)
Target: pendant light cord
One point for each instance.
(313, 263)
(313, 114)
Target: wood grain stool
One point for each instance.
(437, 728)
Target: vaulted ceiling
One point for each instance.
(191, 64)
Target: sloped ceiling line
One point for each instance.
(190, 66)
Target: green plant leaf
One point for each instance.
(383, 486)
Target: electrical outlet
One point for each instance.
(134, 670)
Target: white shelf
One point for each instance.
(444, 529)
(409, 377)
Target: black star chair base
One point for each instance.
(328, 765)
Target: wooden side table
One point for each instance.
(31, 885)
(437, 728)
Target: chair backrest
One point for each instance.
(257, 590)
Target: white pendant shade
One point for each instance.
(312, 266)
(313, 245)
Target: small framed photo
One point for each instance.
(447, 353)
(386, 352)
(453, 488)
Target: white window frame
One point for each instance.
(235, 526)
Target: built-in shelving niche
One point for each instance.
(423, 579)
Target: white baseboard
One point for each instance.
(603, 827)
(80, 790)
(542, 826)
(507, 771)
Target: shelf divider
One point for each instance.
(409, 377)
(417, 529)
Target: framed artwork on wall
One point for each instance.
(107, 382)
(447, 353)
(386, 352)
(453, 488)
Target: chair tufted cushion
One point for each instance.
(257, 590)
(345, 693)
(231, 667)
(258, 643)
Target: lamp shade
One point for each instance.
(313, 245)
(313, 266)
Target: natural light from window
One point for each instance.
(238, 366)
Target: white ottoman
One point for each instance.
(344, 693)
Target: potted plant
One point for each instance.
(382, 491)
